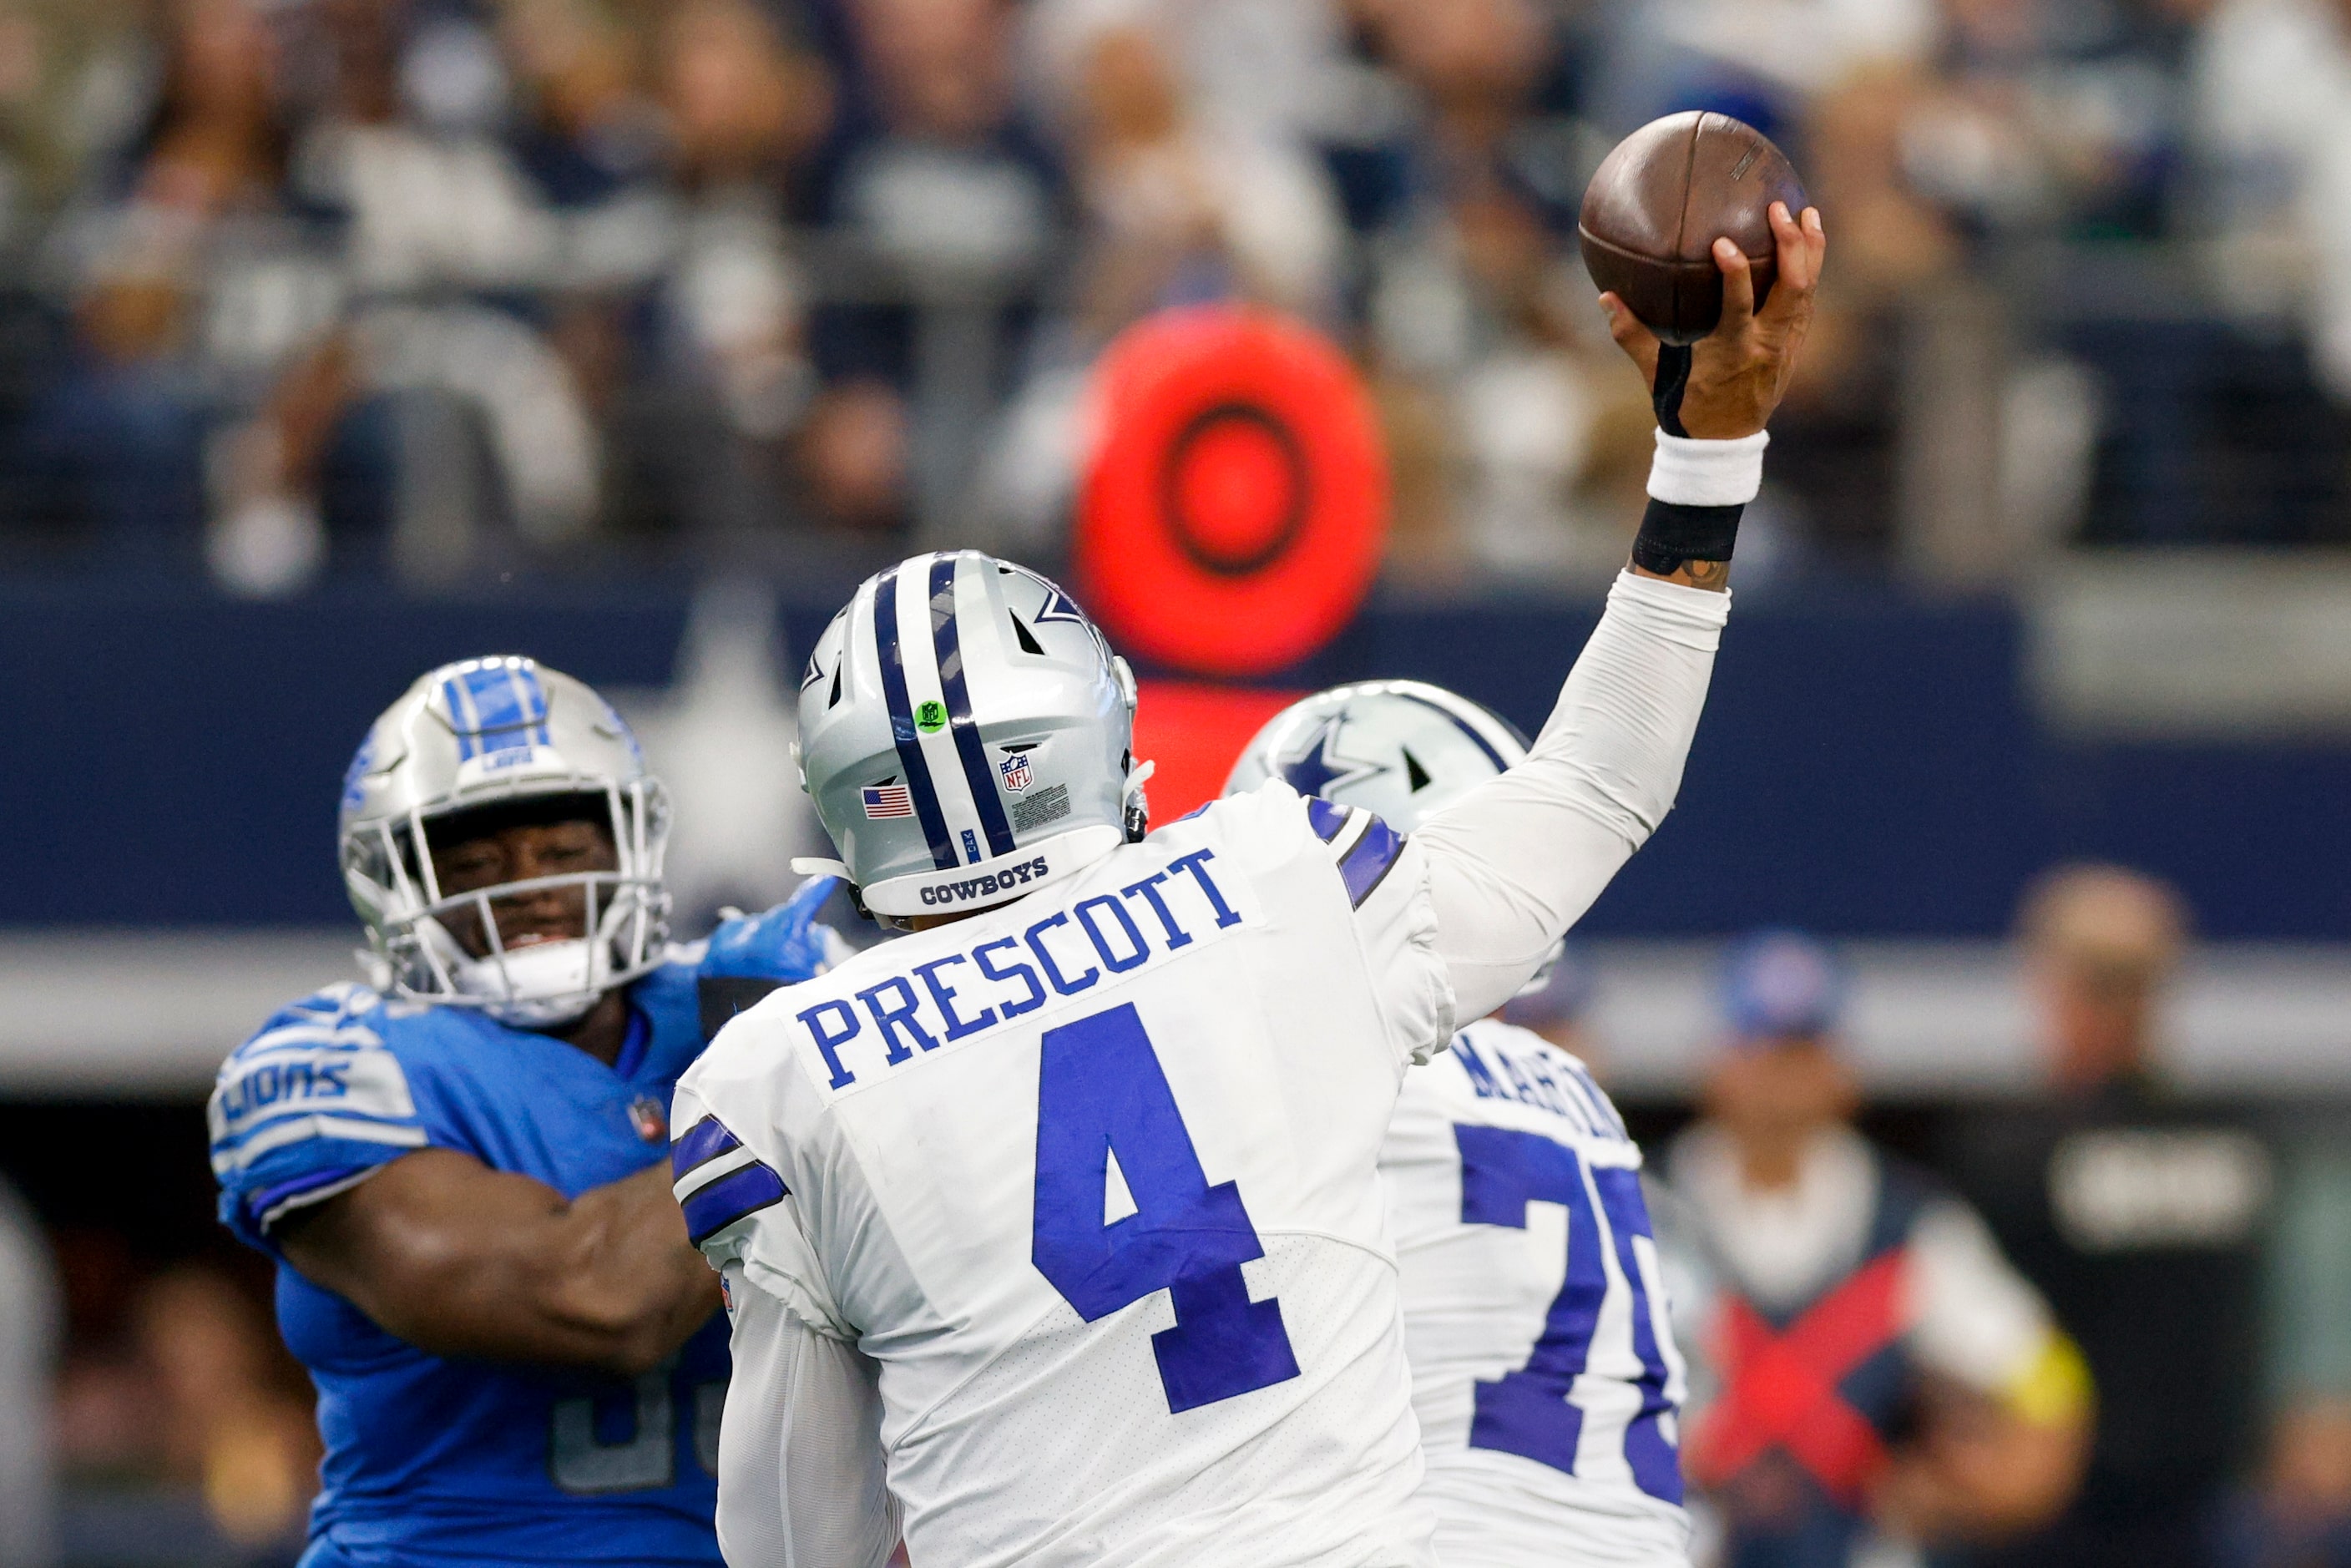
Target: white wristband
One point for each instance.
(1692, 473)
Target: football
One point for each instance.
(1661, 198)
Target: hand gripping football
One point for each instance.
(1658, 202)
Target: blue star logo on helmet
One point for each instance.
(1318, 769)
(1058, 606)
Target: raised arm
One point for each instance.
(1516, 861)
(460, 1259)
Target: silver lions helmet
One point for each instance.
(967, 736)
(1400, 749)
(501, 732)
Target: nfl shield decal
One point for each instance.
(1015, 769)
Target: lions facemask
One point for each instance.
(501, 733)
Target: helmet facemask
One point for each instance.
(413, 924)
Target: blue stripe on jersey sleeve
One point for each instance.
(254, 1193)
(700, 1143)
(733, 1197)
(1325, 817)
(1367, 861)
(264, 1206)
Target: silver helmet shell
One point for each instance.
(488, 732)
(1400, 749)
(967, 736)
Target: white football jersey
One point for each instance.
(1544, 1370)
(1092, 1177)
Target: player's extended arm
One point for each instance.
(461, 1259)
(1515, 862)
(801, 1477)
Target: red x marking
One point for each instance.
(1781, 1386)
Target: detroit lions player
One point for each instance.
(1543, 1368)
(1054, 1229)
(459, 1167)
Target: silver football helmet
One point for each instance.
(967, 736)
(492, 732)
(1400, 749)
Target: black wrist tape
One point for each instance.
(1666, 391)
(1672, 534)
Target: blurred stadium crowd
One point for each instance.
(432, 287)
(295, 292)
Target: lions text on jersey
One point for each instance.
(1545, 1371)
(1092, 1177)
(432, 1460)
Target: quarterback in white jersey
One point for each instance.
(1053, 1232)
(1545, 1371)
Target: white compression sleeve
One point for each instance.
(1516, 861)
(800, 1479)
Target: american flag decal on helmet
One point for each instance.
(885, 800)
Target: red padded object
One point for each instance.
(1195, 732)
(1236, 498)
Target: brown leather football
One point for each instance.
(1658, 202)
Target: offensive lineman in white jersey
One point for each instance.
(1053, 1232)
(1543, 1366)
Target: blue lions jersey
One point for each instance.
(442, 1461)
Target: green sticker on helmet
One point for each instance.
(931, 717)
